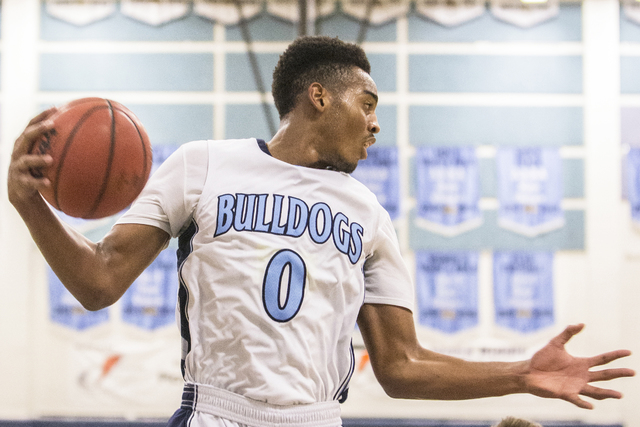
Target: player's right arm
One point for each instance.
(97, 274)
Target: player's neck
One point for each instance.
(296, 142)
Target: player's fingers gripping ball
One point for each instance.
(101, 158)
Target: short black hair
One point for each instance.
(310, 59)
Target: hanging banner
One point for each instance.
(524, 15)
(447, 290)
(375, 12)
(380, 172)
(160, 154)
(633, 184)
(530, 190)
(150, 302)
(65, 309)
(80, 13)
(523, 290)
(631, 10)
(226, 11)
(448, 190)
(154, 13)
(451, 12)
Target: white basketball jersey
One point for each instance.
(275, 261)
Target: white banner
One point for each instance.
(524, 15)
(451, 12)
(113, 371)
(375, 12)
(226, 11)
(80, 13)
(154, 13)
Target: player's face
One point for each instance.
(352, 123)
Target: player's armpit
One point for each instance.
(123, 254)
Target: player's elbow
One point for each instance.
(96, 296)
(394, 384)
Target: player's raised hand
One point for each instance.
(554, 373)
(21, 183)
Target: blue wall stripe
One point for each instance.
(383, 71)
(239, 74)
(490, 236)
(510, 126)
(347, 28)
(567, 26)
(264, 27)
(139, 72)
(629, 72)
(248, 121)
(629, 30)
(175, 124)
(490, 73)
(387, 119)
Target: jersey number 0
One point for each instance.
(272, 285)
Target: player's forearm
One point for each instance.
(439, 377)
(73, 257)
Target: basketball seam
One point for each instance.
(144, 147)
(107, 172)
(66, 148)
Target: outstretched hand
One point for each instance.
(553, 372)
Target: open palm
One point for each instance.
(555, 373)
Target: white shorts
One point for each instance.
(200, 419)
(207, 406)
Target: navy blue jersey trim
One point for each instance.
(263, 146)
(343, 391)
(185, 248)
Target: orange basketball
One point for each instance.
(101, 158)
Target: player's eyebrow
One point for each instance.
(373, 95)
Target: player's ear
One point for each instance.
(318, 96)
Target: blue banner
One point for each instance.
(447, 290)
(523, 290)
(530, 190)
(160, 154)
(380, 172)
(448, 185)
(151, 300)
(67, 311)
(633, 183)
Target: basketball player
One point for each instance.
(280, 253)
